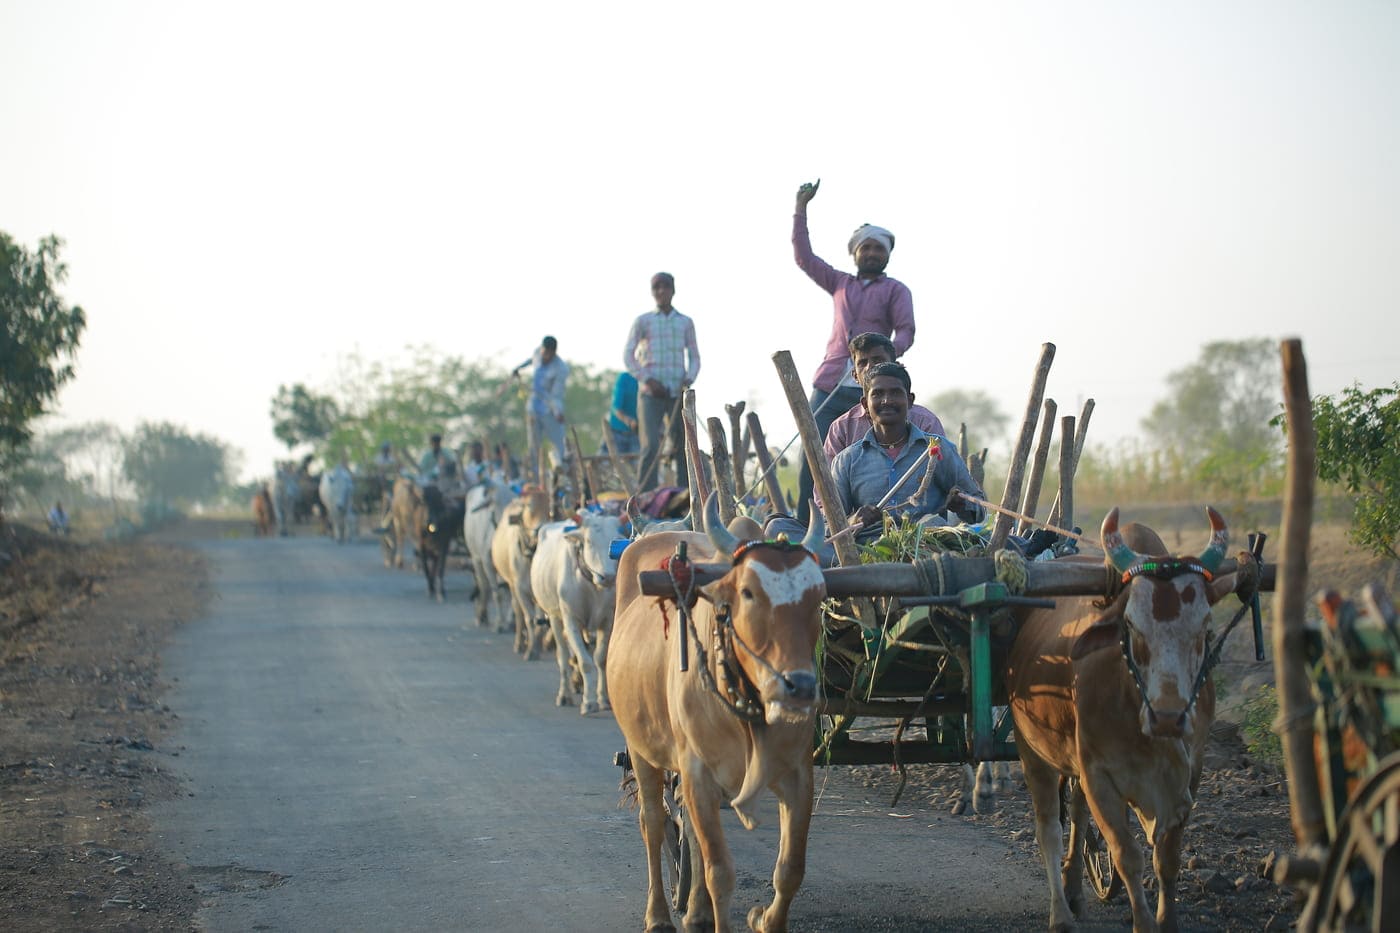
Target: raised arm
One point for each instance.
(817, 269)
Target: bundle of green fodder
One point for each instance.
(906, 541)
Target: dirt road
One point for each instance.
(358, 757)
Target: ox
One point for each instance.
(1113, 694)
(486, 504)
(337, 489)
(572, 578)
(407, 515)
(512, 547)
(442, 526)
(738, 720)
(264, 515)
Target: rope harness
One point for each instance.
(1167, 569)
(739, 694)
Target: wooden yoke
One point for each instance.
(846, 553)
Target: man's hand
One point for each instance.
(867, 516)
(806, 193)
(955, 503)
(654, 387)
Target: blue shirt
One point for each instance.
(864, 473)
(624, 400)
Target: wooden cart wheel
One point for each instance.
(677, 846)
(1098, 864)
(1360, 884)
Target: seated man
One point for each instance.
(865, 472)
(850, 427)
(433, 459)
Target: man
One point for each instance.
(622, 416)
(58, 519)
(865, 472)
(662, 354)
(544, 419)
(866, 351)
(434, 458)
(474, 469)
(868, 301)
(504, 465)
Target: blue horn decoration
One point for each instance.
(1219, 538)
(1119, 553)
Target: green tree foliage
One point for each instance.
(979, 411)
(1214, 427)
(38, 338)
(300, 416)
(167, 464)
(1358, 445)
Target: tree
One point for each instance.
(300, 416)
(38, 339)
(973, 407)
(1358, 445)
(167, 464)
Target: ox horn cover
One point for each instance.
(1219, 538)
(1118, 552)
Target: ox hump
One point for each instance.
(787, 586)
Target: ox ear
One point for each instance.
(1104, 633)
(1220, 587)
(718, 592)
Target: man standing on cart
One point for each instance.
(868, 301)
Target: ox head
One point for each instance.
(1161, 620)
(772, 596)
(593, 537)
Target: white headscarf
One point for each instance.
(871, 232)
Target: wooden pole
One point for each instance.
(1042, 453)
(846, 552)
(1012, 494)
(1295, 702)
(1066, 493)
(724, 476)
(1080, 433)
(962, 441)
(739, 453)
(624, 474)
(699, 489)
(765, 463)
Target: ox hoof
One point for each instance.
(984, 803)
(532, 655)
(755, 919)
(587, 708)
(563, 700)
(959, 807)
(503, 628)
(661, 926)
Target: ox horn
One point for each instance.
(636, 516)
(1219, 537)
(1119, 553)
(816, 531)
(720, 536)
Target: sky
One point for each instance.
(250, 191)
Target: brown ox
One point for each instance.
(407, 515)
(264, 517)
(1131, 739)
(755, 632)
(512, 548)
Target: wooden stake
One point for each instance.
(846, 552)
(1012, 494)
(1042, 453)
(1066, 494)
(699, 489)
(1080, 433)
(739, 453)
(1295, 702)
(773, 488)
(724, 477)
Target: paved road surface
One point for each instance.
(360, 758)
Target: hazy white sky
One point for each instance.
(249, 191)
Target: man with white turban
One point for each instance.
(867, 302)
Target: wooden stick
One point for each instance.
(699, 489)
(1295, 702)
(724, 477)
(765, 463)
(1042, 453)
(1066, 494)
(739, 453)
(624, 474)
(1080, 433)
(1028, 518)
(962, 441)
(1012, 494)
(846, 552)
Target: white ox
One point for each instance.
(1116, 696)
(512, 548)
(754, 633)
(337, 496)
(486, 504)
(573, 580)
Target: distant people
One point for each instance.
(544, 419)
(58, 519)
(663, 356)
(475, 467)
(867, 350)
(505, 466)
(622, 416)
(868, 301)
(385, 464)
(430, 464)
